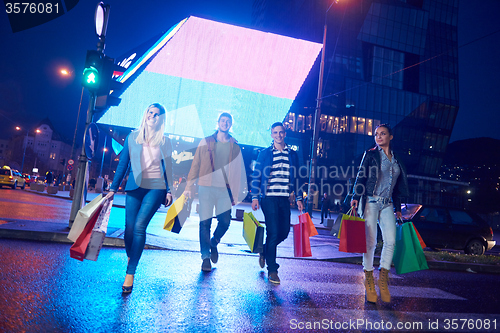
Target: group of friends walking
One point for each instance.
(219, 171)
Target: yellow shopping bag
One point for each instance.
(253, 232)
(176, 215)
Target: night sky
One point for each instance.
(31, 87)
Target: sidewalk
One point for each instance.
(323, 246)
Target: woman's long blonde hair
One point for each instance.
(157, 138)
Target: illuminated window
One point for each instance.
(290, 121)
(343, 125)
(369, 127)
(323, 123)
(331, 124)
(309, 124)
(300, 123)
(361, 125)
(352, 124)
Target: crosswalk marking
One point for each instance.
(333, 271)
(358, 289)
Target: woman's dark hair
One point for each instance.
(389, 129)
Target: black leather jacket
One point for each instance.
(366, 179)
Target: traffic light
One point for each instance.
(92, 73)
(108, 84)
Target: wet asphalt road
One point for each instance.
(43, 290)
(23, 205)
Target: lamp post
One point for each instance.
(25, 145)
(65, 72)
(317, 115)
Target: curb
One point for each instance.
(119, 242)
(461, 267)
(64, 198)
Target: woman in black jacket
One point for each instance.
(380, 183)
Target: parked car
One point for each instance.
(450, 228)
(11, 177)
(27, 178)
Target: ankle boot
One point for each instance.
(371, 294)
(383, 285)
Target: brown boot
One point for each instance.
(371, 294)
(383, 285)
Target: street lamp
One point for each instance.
(25, 145)
(317, 115)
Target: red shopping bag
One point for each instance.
(77, 250)
(352, 234)
(301, 243)
(422, 243)
(400, 221)
(305, 218)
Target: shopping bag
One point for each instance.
(400, 221)
(83, 216)
(352, 234)
(301, 242)
(99, 232)
(77, 250)
(176, 215)
(420, 240)
(253, 233)
(337, 226)
(408, 254)
(309, 223)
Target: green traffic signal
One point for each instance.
(92, 73)
(90, 76)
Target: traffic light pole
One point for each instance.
(78, 196)
(92, 80)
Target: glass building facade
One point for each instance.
(386, 61)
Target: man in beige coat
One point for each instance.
(220, 173)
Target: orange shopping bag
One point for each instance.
(305, 218)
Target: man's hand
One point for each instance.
(168, 200)
(300, 205)
(255, 204)
(187, 194)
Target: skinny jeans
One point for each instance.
(383, 212)
(140, 206)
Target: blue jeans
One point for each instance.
(277, 215)
(384, 213)
(209, 198)
(140, 206)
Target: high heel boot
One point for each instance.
(371, 294)
(383, 285)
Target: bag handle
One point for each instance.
(352, 212)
